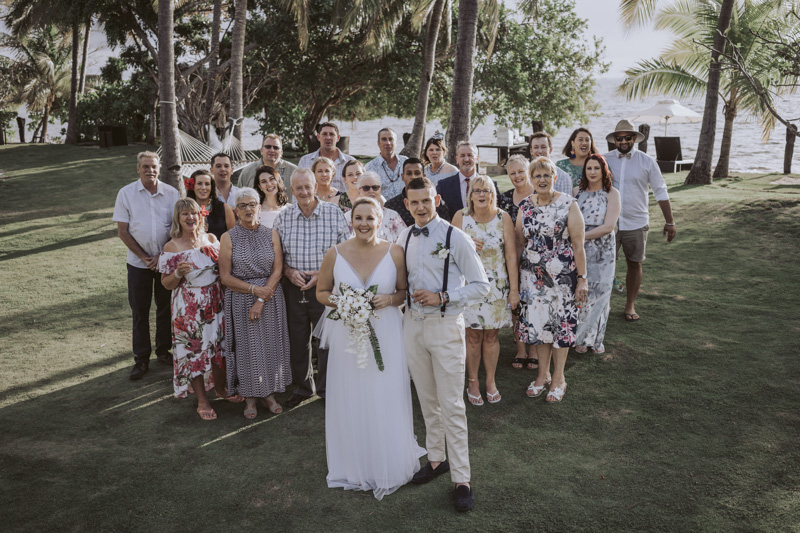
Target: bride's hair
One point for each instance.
(367, 200)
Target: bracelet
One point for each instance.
(260, 300)
(669, 223)
(391, 299)
(176, 274)
(251, 288)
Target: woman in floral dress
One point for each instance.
(493, 233)
(517, 169)
(189, 269)
(549, 235)
(600, 205)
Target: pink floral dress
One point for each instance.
(197, 317)
(548, 275)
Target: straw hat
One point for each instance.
(625, 126)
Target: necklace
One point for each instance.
(549, 200)
(331, 195)
(393, 175)
(435, 172)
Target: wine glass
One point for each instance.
(304, 300)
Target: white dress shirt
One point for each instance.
(466, 280)
(632, 178)
(464, 186)
(149, 216)
(307, 161)
(231, 200)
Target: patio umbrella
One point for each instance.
(666, 110)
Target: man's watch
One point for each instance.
(445, 298)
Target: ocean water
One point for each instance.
(749, 153)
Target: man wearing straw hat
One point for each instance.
(633, 172)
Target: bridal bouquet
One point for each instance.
(354, 307)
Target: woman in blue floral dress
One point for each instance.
(553, 284)
(600, 206)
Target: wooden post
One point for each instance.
(791, 133)
(21, 126)
(538, 125)
(644, 129)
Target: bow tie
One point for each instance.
(415, 231)
(627, 156)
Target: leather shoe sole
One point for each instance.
(465, 499)
(428, 473)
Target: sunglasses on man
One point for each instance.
(623, 138)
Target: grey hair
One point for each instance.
(389, 130)
(247, 192)
(467, 143)
(366, 175)
(143, 155)
(519, 158)
(300, 171)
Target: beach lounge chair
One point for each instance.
(669, 156)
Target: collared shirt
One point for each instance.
(247, 177)
(462, 179)
(391, 180)
(466, 280)
(397, 204)
(149, 216)
(563, 182)
(338, 181)
(305, 241)
(632, 177)
(231, 201)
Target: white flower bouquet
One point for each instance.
(354, 307)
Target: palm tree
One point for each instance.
(41, 64)
(637, 13)
(681, 69)
(170, 152)
(213, 61)
(461, 101)
(237, 59)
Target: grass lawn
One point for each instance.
(690, 421)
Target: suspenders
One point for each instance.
(446, 268)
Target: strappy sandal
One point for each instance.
(534, 391)
(556, 395)
(493, 398)
(272, 404)
(251, 411)
(477, 401)
(207, 414)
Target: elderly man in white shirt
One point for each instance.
(143, 213)
(328, 136)
(633, 172)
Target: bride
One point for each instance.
(369, 431)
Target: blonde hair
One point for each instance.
(542, 163)
(143, 155)
(372, 202)
(322, 160)
(181, 206)
(487, 182)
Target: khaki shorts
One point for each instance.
(633, 243)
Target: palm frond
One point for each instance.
(654, 77)
(636, 14)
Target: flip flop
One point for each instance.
(493, 398)
(477, 401)
(207, 415)
(631, 317)
(233, 399)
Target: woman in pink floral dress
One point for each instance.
(189, 269)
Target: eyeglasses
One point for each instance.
(481, 191)
(271, 147)
(624, 137)
(251, 205)
(367, 188)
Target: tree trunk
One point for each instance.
(72, 120)
(237, 58)
(461, 101)
(701, 170)
(212, 68)
(152, 133)
(413, 147)
(45, 121)
(85, 56)
(170, 151)
(723, 163)
(788, 153)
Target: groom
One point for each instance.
(444, 275)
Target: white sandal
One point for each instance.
(534, 391)
(493, 398)
(477, 401)
(557, 394)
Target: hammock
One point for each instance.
(196, 155)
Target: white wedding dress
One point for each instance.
(369, 430)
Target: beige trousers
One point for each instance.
(436, 359)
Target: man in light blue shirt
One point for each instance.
(444, 275)
(328, 136)
(388, 165)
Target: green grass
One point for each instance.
(691, 421)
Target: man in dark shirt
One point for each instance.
(413, 168)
